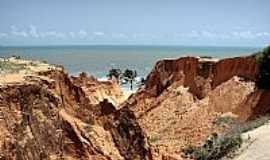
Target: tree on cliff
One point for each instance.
(263, 58)
(116, 73)
(129, 76)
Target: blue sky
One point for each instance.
(153, 22)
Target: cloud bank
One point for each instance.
(32, 32)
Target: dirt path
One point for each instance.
(258, 147)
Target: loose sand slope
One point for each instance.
(257, 147)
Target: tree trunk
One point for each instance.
(131, 84)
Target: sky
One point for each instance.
(135, 22)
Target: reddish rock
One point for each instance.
(49, 117)
(182, 98)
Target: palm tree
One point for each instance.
(116, 73)
(129, 76)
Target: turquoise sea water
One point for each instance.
(97, 60)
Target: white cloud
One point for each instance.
(263, 34)
(246, 34)
(15, 32)
(82, 33)
(225, 35)
(192, 34)
(138, 35)
(72, 34)
(119, 35)
(209, 34)
(33, 31)
(52, 34)
(3, 35)
(237, 34)
(98, 33)
(249, 34)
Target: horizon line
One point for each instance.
(150, 45)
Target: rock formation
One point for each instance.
(45, 114)
(183, 97)
(97, 91)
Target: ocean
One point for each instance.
(97, 60)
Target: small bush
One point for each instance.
(44, 61)
(154, 138)
(224, 120)
(33, 64)
(16, 57)
(215, 147)
(178, 93)
(209, 57)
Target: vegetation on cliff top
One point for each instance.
(7, 66)
(263, 59)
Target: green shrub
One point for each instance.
(224, 120)
(263, 59)
(154, 138)
(44, 61)
(178, 93)
(215, 147)
(208, 57)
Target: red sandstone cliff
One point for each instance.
(48, 115)
(45, 116)
(97, 91)
(182, 98)
(189, 71)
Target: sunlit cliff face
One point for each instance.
(45, 113)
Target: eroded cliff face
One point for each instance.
(182, 98)
(196, 73)
(46, 116)
(97, 91)
(34, 117)
(245, 67)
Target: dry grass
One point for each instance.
(10, 67)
